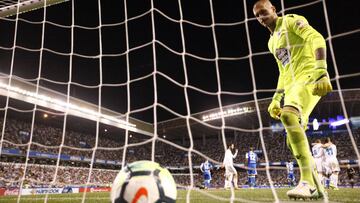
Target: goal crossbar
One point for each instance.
(11, 7)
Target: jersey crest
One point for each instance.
(300, 24)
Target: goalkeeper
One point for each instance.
(300, 52)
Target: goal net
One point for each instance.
(89, 86)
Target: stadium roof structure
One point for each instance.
(241, 117)
(25, 91)
(248, 120)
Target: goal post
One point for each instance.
(11, 7)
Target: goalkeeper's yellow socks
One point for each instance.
(305, 161)
(299, 145)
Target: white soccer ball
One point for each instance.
(143, 182)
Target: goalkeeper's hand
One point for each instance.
(322, 86)
(320, 78)
(274, 108)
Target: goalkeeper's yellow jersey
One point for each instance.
(293, 43)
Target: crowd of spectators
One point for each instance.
(37, 175)
(48, 139)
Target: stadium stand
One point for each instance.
(41, 169)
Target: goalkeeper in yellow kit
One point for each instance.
(300, 52)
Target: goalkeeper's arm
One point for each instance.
(320, 76)
(274, 108)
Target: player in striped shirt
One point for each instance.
(290, 172)
(251, 159)
(206, 168)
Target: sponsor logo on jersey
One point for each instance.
(282, 54)
(300, 24)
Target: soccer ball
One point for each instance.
(143, 181)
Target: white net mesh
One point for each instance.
(98, 84)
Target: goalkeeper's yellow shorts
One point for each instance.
(299, 95)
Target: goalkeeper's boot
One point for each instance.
(303, 191)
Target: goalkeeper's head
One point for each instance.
(265, 13)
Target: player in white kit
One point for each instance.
(319, 158)
(230, 171)
(331, 163)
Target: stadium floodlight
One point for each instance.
(355, 121)
(277, 127)
(63, 106)
(315, 124)
(339, 122)
(227, 113)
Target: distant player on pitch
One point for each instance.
(231, 176)
(290, 171)
(206, 168)
(350, 171)
(319, 157)
(251, 159)
(300, 52)
(332, 168)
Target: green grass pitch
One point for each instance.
(243, 195)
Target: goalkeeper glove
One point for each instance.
(320, 78)
(274, 108)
